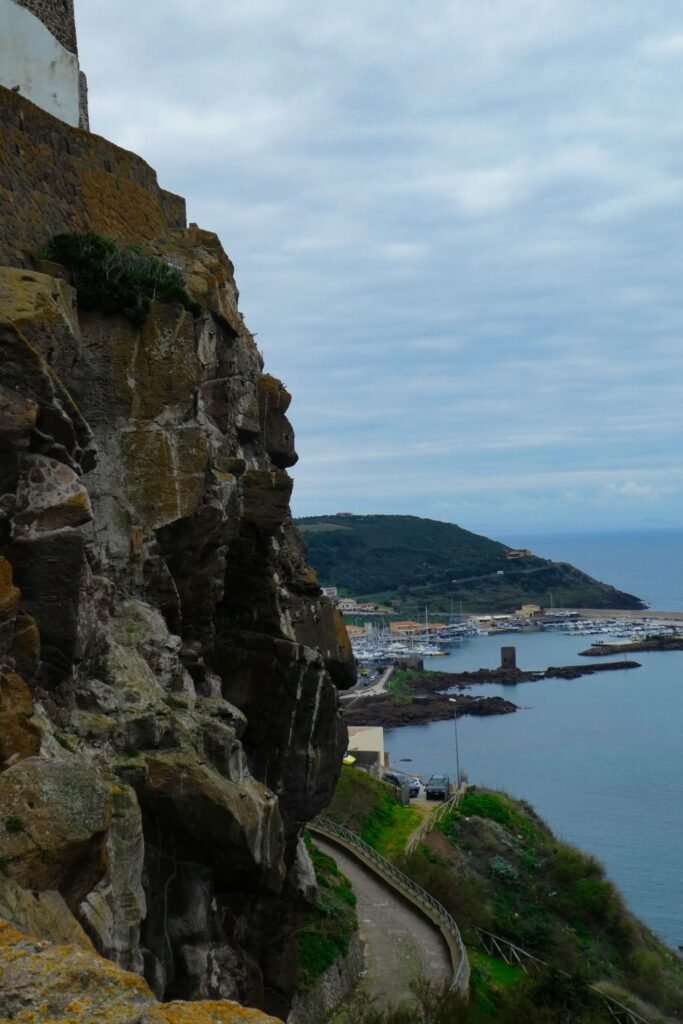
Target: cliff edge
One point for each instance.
(168, 666)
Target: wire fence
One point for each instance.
(515, 956)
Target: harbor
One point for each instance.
(379, 643)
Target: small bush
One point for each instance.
(504, 869)
(571, 865)
(400, 684)
(176, 703)
(464, 897)
(647, 976)
(501, 809)
(14, 825)
(67, 742)
(118, 278)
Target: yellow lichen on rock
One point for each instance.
(9, 594)
(19, 737)
(61, 813)
(206, 1013)
(164, 471)
(41, 983)
(27, 298)
(208, 272)
(41, 915)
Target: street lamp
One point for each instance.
(452, 700)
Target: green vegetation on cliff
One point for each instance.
(326, 933)
(118, 278)
(415, 562)
(495, 865)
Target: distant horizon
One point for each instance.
(510, 531)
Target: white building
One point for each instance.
(39, 57)
(366, 743)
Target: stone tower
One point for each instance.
(39, 57)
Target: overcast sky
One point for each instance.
(457, 230)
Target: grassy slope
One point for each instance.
(494, 863)
(370, 808)
(517, 880)
(415, 560)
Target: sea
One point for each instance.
(600, 758)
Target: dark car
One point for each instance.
(437, 787)
(400, 778)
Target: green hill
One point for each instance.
(417, 562)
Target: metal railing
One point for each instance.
(620, 1012)
(514, 955)
(414, 892)
(495, 945)
(435, 817)
(507, 951)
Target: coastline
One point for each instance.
(590, 737)
(429, 696)
(624, 613)
(654, 643)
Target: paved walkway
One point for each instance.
(399, 943)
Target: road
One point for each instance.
(361, 691)
(504, 575)
(399, 943)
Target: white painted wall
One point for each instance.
(31, 58)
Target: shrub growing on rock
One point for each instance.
(118, 278)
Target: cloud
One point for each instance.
(634, 491)
(667, 45)
(457, 230)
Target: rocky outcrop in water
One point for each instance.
(390, 713)
(168, 666)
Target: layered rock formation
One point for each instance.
(168, 667)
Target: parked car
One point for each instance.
(400, 778)
(437, 787)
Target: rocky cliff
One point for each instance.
(168, 667)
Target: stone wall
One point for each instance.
(333, 987)
(55, 178)
(58, 16)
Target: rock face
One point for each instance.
(41, 983)
(168, 666)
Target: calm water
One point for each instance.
(600, 758)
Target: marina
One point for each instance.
(378, 644)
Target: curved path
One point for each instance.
(399, 943)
